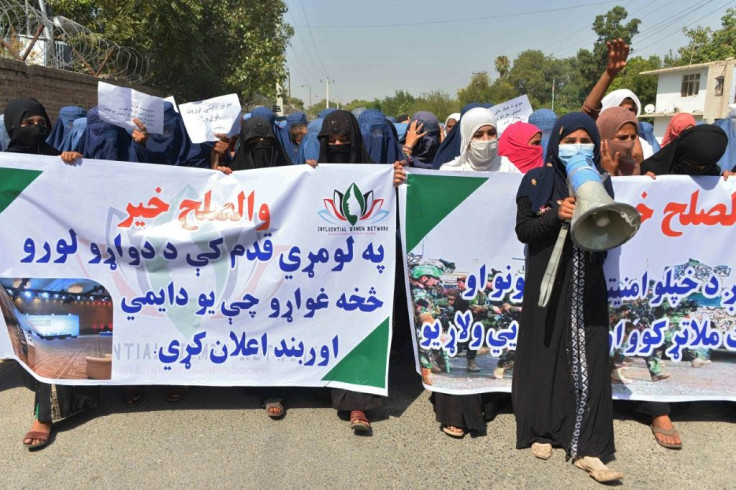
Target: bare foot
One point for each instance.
(664, 422)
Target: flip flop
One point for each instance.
(359, 422)
(457, 433)
(280, 410)
(177, 394)
(667, 432)
(44, 437)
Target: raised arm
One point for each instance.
(618, 52)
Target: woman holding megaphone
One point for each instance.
(561, 387)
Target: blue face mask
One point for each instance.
(567, 151)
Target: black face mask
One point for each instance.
(689, 168)
(29, 136)
(338, 153)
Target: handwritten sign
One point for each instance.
(120, 105)
(511, 111)
(217, 115)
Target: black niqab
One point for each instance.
(695, 151)
(345, 124)
(259, 147)
(28, 139)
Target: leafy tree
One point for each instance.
(196, 48)
(644, 86)
(438, 103)
(478, 90)
(607, 27)
(502, 65)
(707, 45)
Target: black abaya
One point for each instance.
(543, 393)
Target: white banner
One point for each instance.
(123, 273)
(672, 288)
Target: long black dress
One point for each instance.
(551, 404)
(53, 402)
(344, 125)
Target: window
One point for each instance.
(690, 84)
(719, 86)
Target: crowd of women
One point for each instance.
(562, 371)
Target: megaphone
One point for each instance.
(599, 223)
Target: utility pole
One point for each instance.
(288, 78)
(279, 100)
(553, 94)
(309, 103)
(327, 92)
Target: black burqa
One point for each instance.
(29, 139)
(695, 151)
(570, 335)
(258, 147)
(345, 126)
(52, 402)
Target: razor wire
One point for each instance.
(27, 35)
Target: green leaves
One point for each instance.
(196, 48)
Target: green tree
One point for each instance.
(502, 65)
(478, 90)
(438, 103)
(706, 45)
(644, 86)
(609, 26)
(401, 102)
(196, 48)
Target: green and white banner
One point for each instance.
(124, 273)
(672, 288)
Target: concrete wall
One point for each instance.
(53, 88)
(669, 95)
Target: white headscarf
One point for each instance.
(469, 159)
(615, 98)
(454, 115)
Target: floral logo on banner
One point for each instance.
(352, 206)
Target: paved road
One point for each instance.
(220, 437)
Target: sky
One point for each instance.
(371, 48)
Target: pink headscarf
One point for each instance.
(677, 125)
(514, 145)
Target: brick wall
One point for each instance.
(53, 88)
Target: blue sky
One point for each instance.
(371, 48)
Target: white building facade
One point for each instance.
(705, 90)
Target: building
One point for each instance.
(705, 90)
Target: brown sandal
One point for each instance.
(39, 436)
(359, 422)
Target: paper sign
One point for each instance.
(217, 115)
(512, 111)
(120, 105)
